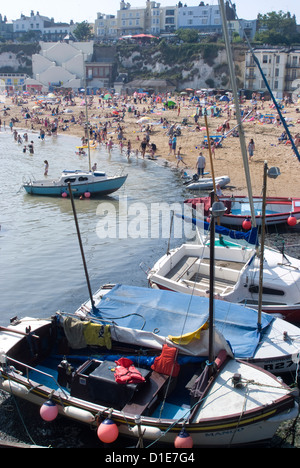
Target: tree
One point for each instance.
(277, 28)
(187, 35)
(83, 31)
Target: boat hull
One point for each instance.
(278, 209)
(227, 414)
(103, 187)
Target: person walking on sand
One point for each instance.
(251, 148)
(179, 157)
(200, 164)
(174, 142)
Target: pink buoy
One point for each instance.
(49, 411)
(246, 224)
(183, 440)
(64, 194)
(87, 194)
(108, 431)
(292, 221)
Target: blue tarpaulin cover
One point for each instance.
(171, 313)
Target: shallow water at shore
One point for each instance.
(41, 265)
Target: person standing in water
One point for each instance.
(46, 167)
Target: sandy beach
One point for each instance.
(227, 160)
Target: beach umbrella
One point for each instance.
(171, 103)
(142, 119)
(107, 96)
(224, 98)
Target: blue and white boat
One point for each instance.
(83, 183)
(144, 315)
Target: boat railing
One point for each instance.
(33, 369)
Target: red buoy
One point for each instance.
(108, 431)
(292, 221)
(183, 440)
(246, 224)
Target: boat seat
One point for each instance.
(146, 398)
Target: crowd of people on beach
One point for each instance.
(109, 119)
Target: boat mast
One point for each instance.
(81, 249)
(283, 121)
(87, 126)
(237, 109)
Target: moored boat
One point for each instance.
(273, 345)
(86, 183)
(235, 405)
(237, 273)
(278, 210)
(207, 183)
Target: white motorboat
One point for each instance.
(186, 269)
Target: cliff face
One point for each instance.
(189, 65)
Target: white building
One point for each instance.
(205, 18)
(42, 26)
(62, 63)
(281, 67)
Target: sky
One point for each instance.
(80, 11)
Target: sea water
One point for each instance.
(41, 268)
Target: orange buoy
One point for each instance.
(246, 224)
(183, 440)
(108, 431)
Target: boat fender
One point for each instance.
(14, 387)
(149, 432)
(79, 414)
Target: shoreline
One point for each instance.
(227, 160)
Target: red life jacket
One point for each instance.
(125, 372)
(166, 362)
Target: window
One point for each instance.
(253, 288)
(265, 59)
(70, 179)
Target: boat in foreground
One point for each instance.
(186, 269)
(236, 405)
(157, 317)
(278, 209)
(83, 183)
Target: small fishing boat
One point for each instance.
(83, 183)
(273, 345)
(66, 368)
(278, 210)
(237, 275)
(207, 183)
